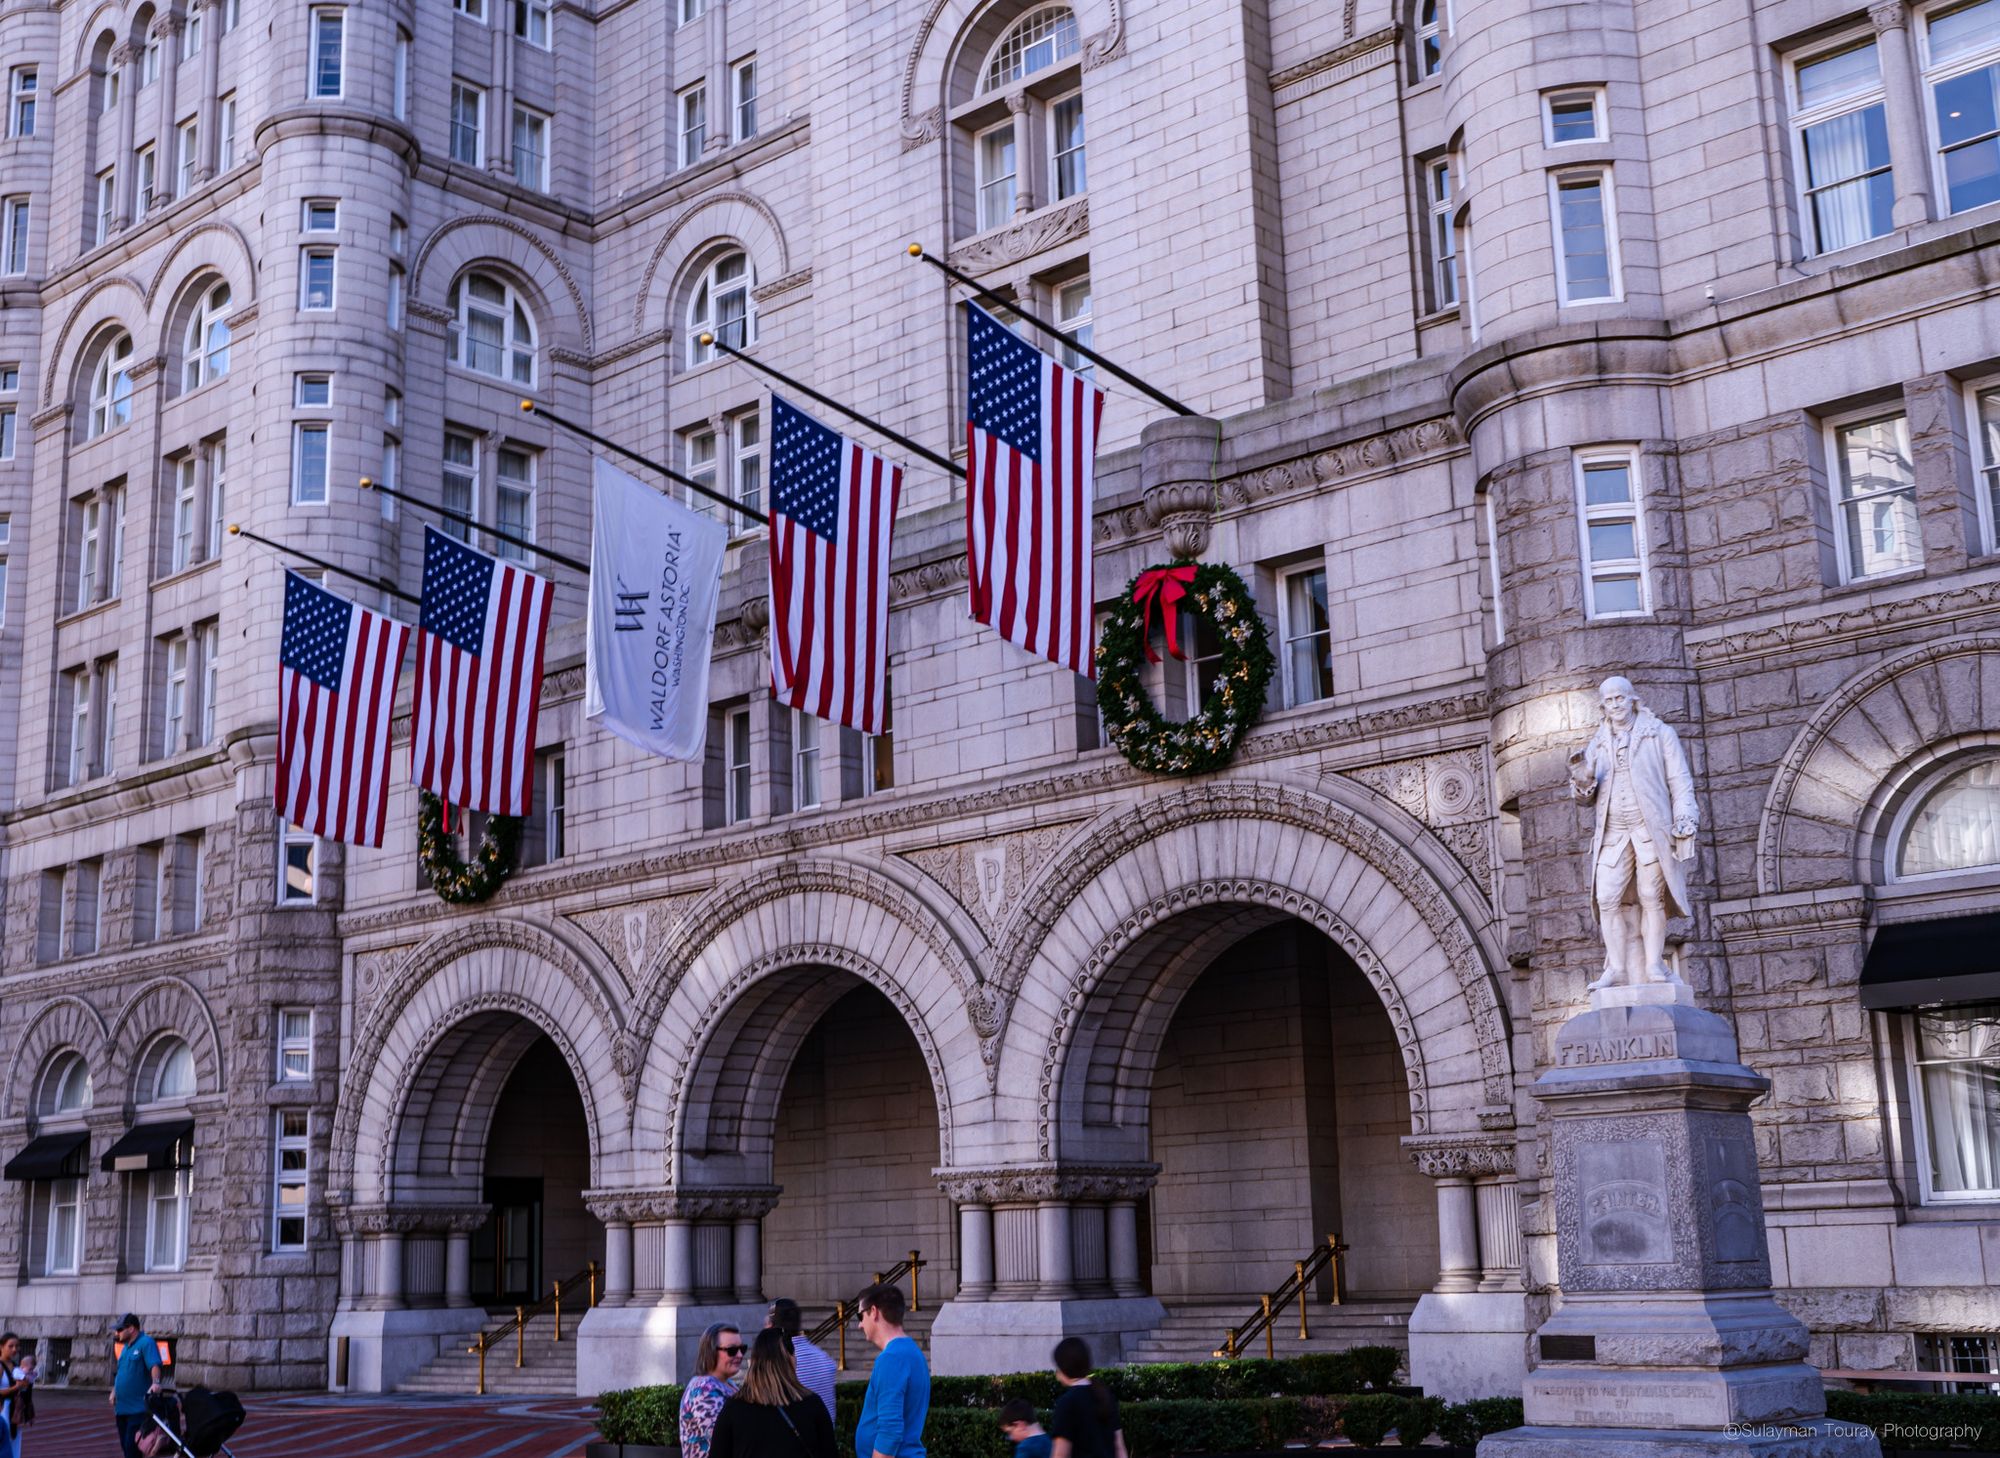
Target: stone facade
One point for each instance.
(969, 947)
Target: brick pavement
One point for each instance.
(78, 1425)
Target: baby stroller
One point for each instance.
(197, 1425)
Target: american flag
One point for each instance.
(337, 668)
(1031, 445)
(479, 678)
(833, 507)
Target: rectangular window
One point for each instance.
(14, 237)
(22, 83)
(805, 761)
(1613, 529)
(77, 689)
(295, 1026)
(531, 149)
(107, 715)
(114, 546)
(294, 1154)
(218, 472)
(225, 133)
(166, 1218)
(89, 547)
(309, 464)
(399, 101)
(6, 432)
(1985, 412)
(1307, 631)
(148, 178)
(468, 123)
(744, 80)
(173, 732)
(149, 64)
(298, 855)
(208, 648)
(1073, 319)
(107, 202)
(329, 52)
(514, 500)
(1066, 142)
(1840, 141)
(459, 482)
(1586, 236)
(542, 836)
(531, 21)
(1961, 46)
(993, 151)
(1573, 116)
(312, 391)
(1441, 203)
(191, 36)
(398, 291)
(1874, 497)
(181, 905)
(186, 510)
(321, 215)
(470, 9)
(1954, 1058)
(694, 124)
(109, 93)
(747, 434)
(65, 1228)
(316, 278)
(187, 156)
(736, 765)
(701, 468)
(399, 237)
(692, 10)
(1430, 37)
(89, 905)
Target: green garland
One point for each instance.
(455, 880)
(1208, 740)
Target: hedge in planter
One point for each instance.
(1920, 1421)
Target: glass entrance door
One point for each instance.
(507, 1249)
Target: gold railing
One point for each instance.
(1271, 1306)
(836, 1325)
(584, 1280)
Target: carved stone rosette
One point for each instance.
(646, 1207)
(1461, 1156)
(1026, 1184)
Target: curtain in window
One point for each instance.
(1962, 1097)
(1838, 152)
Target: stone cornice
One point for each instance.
(456, 1219)
(1344, 60)
(1461, 1156)
(1024, 1184)
(1831, 624)
(1037, 233)
(328, 121)
(1842, 909)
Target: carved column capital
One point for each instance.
(721, 1202)
(1027, 1184)
(124, 54)
(1461, 1156)
(1889, 15)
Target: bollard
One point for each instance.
(915, 1304)
(1300, 1267)
(592, 1268)
(520, 1336)
(481, 1349)
(1270, 1349)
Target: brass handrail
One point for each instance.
(836, 1324)
(1270, 1306)
(587, 1277)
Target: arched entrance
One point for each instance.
(536, 1167)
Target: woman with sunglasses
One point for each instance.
(717, 1361)
(773, 1416)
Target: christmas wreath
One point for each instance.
(454, 880)
(1208, 740)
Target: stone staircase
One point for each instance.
(549, 1370)
(1193, 1330)
(861, 1355)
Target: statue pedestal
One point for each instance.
(1668, 1341)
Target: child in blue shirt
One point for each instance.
(1022, 1425)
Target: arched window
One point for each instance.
(1038, 40)
(173, 1072)
(66, 1087)
(111, 387)
(1954, 825)
(205, 352)
(491, 332)
(721, 304)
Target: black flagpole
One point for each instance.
(382, 584)
(917, 251)
(369, 483)
(531, 408)
(943, 463)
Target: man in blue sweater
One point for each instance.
(899, 1389)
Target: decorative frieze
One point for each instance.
(1028, 1184)
(715, 1202)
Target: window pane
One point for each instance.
(1960, 1079)
(1875, 456)
(1615, 595)
(1967, 110)
(1846, 73)
(1964, 30)
(1067, 124)
(1573, 120)
(1957, 828)
(1586, 251)
(1607, 483)
(1613, 541)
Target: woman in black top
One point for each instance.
(1084, 1422)
(772, 1416)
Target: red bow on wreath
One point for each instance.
(1167, 586)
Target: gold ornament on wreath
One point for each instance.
(1208, 740)
(458, 881)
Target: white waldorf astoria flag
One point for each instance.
(655, 573)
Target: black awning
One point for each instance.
(51, 1157)
(1920, 963)
(153, 1146)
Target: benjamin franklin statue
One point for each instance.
(1634, 773)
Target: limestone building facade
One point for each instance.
(1527, 342)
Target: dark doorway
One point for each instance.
(507, 1249)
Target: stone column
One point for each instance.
(1024, 156)
(208, 114)
(1122, 1236)
(617, 1264)
(350, 1272)
(748, 1259)
(127, 59)
(975, 1252)
(1499, 1233)
(166, 145)
(458, 1268)
(1052, 1250)
(1458, 1236)
(1903, 111)
(388, 1271)
(678, 1287)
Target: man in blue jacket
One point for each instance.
(135, 1381)
(899, 1389)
